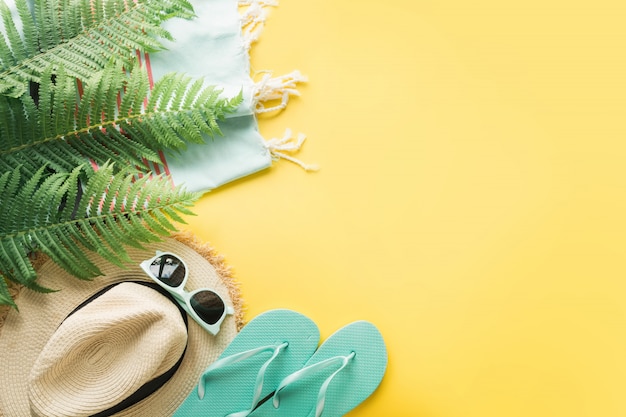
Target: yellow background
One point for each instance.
(471, 200)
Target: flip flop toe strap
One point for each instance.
(238, 357)
(312, 369)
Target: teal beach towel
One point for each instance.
(215, 46)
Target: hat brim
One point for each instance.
(25, 333)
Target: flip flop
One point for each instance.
(345, 370)
(270, 347)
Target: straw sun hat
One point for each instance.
(116, 345)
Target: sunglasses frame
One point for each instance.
(184, 297)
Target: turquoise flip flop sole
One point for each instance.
(355, 354)
(230, 384)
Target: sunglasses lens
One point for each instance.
(169, 270)
(208, 305)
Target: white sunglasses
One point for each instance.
(204, 305)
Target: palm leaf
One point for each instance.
(111, 211)
(61, 130)
(83, 36)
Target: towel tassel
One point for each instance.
(253, 16)
(278, 147)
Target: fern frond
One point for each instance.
(112, 211)
(63, 130)
(83, 36)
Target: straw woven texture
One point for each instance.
(24, 335)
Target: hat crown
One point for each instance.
(105, 351)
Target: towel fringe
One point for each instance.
(276, 88)
(278, 147)
(253, 15)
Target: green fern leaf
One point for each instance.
(114, 210)
(62, 131)
(80, 35)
